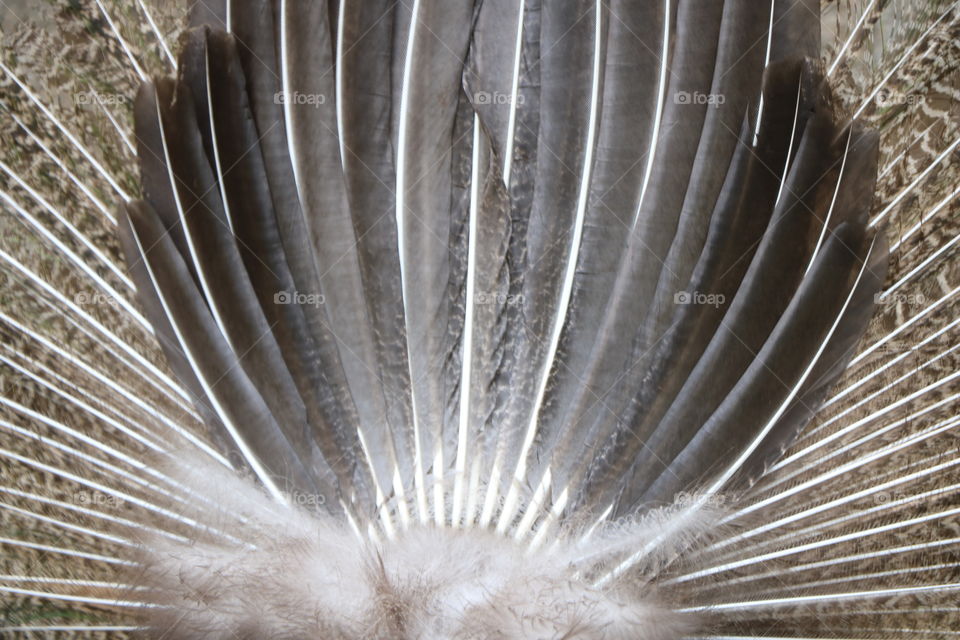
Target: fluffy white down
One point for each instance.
(274, 571)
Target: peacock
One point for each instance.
(480, 319)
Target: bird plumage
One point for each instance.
(513, 320)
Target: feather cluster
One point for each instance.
(428, 309)
(261, 569)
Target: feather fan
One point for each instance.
(480, 319)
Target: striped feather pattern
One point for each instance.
(652, 300)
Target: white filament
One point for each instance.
(658, 117)
(849, 40)
(560, 317)
(401, 204)
(514, 97)
(460, 466)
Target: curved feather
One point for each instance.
(500, 211)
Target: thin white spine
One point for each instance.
(188, 234)
(859, 577)
(473, 493)
(112, 469)
(463, 434)
(490, 499)
(116, 125)
(66, 132)
(123, 43)
(887, 554)
(224, 416)
(105, 602)
(100, 628)
(142, 435)
(386, 520)
(116, 493)
(821, 598)
(338, 77)
(901, 402)
(111, 384)
(892, 163)
(401, 205)
(514, 97)
(156, 32)
(286, 86)
(76, 233)
(903, 59)
(717, 484)
(820, 544)
(766, 63)
(106, 449)
(510, 503)
(86, 531)
(912, 371)
(903, 327)
(214, 143)
(895, 447)
(926, 218)
(75, 259)
(72, 582)
(886, 366)
(920, 267)
(143, 367)
(87, 440)
(878, 510)
(95, 557)
(552, 518)
(849, 40)
(833, 201)
(793, 137)
(97, 202)
(533, 508)
(923, 174)
(658, 117)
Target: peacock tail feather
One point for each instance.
(480, 319)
